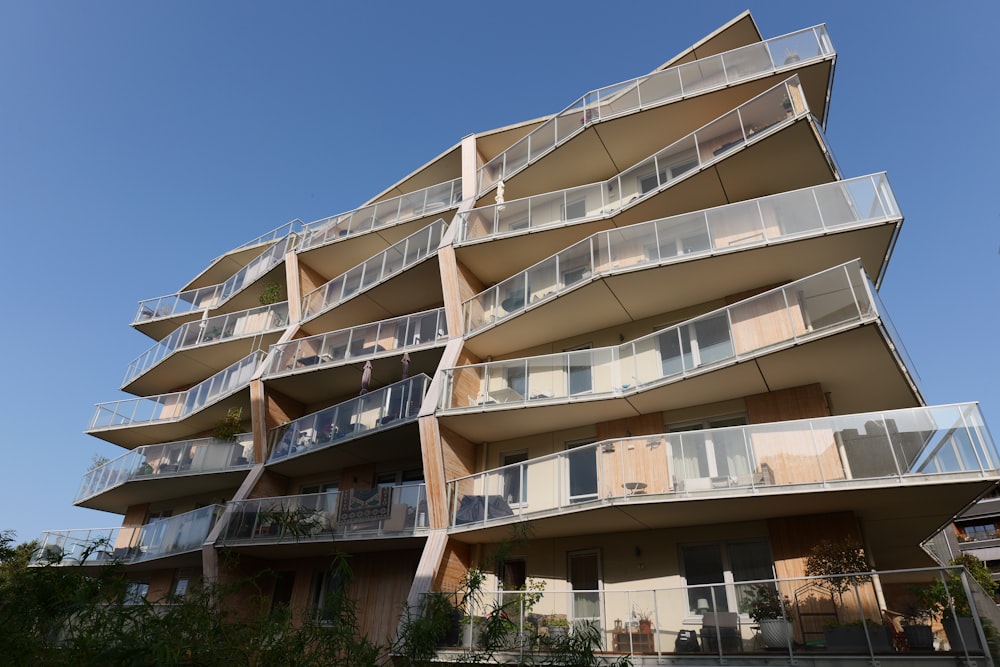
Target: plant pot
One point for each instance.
(919, 637)
(851, 639)
(962, 635)
(558, 631)
(776, 632)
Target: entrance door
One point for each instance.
(582, 464)
(585, 580)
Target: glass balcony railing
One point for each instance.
(711, 624)
(393, 260)
(166, 460)
(845, 450)
(214, 296)
(294, 227)
(790, 215)
(373, 411)
(383, 214)
(744, 125)
(395, 511)
(128, 544)
(812, 307)
(398, 334)
(252, 322)
(177, 405)
(789, 51)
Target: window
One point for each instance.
(585, 579)
(575, 209)
(713, 573)
(136, 592)
(327, 594)
(582, 464)
(580, 363)
(514, 479)
(717, 458)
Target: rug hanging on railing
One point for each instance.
(357, 505)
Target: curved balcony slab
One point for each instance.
(168, 417)
(619, 274)
(170, 470)
(307, 524)
(831, 315)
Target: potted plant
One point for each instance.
(764, 604)
(227, 427)
(558, 626)
(945, 599)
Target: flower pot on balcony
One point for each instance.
(962, 634)
(776, 632)
(919, 637)
(851, 639)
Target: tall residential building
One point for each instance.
(647, 327)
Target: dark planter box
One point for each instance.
(968, 633)
(851, 639)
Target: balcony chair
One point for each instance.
(724, 626)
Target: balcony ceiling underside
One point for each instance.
(445, 167)
(186, 367)
(337, 257)
(789, 159)
(412, 291)
(223, 267)
(195, 425)
(609, 147)
(248, 297)
(188, 559)
(895, 518)
(627, 297)
(409, 546)
(319, 386)
(399, 443)
(854, 366)
(152, 489)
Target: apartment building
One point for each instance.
(647, 327)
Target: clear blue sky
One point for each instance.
(138, 140)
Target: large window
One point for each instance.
(585, 579)
(515, 477)
(714, 572)
(702, 459)
(582, 470)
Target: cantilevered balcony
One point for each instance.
(888, 454)
(162, 315)
(230, 262)
(808, 51)
(642, 614)
(766, 145)
(316, 519)
(695, 362)
(352, 432)
(387, 217)
(177, 538)
(138, 421)
(818, 227)
(169, 470)
(202, 341)
(345, 292)
(334, 360)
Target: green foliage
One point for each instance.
(947, 592)
(763, 602)
(270, 294)
(295, 522)
(227, 427)
(830, 560)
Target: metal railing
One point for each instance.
(214, 296)
(396, 511)
(887, 447)
(819, 305)
(814, 211)
(745, 125)
(397, 210)
(366, 341)
(373, 411)
(167, 460)
(251, 322)
(786, 52)
(177, 405)
(393, 260)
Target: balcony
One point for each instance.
(381, 216)
(177, 538)
(155, 472)
(709, 624)
(158, 317)
(939, 457)
(352, 432)
(828, 310)
(766, 145)
(201, 341)
(332, 360)
(230, 262)
(312, 521)
(137, 421)
(861, 212)
(807, 50)
(366, 278)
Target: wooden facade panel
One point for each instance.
(765, 321)
(805, 402)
